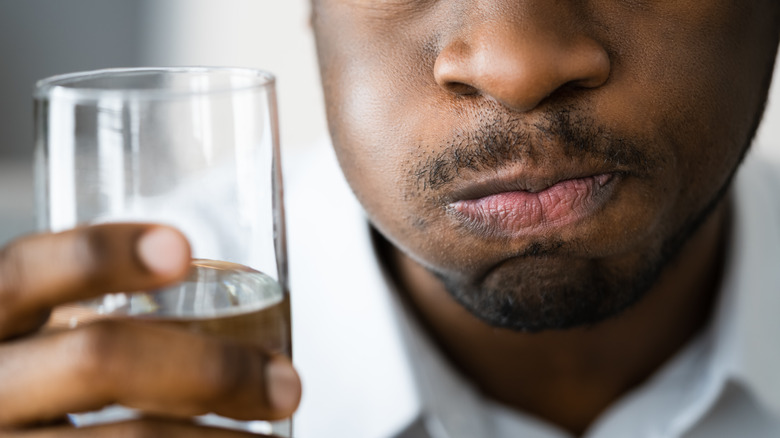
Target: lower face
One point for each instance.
(625, 170)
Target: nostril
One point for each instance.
(460, 88)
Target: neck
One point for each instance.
(569, 377)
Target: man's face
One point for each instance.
(545, 159)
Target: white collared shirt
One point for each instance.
(369, 371)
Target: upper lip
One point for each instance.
(520, 178)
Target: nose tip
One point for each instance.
(520, 73)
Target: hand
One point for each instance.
(165, 372)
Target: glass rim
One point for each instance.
(58, 84)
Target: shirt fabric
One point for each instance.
(370, 371)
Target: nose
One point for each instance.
(520, 60)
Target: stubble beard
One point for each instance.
(532, 298)
(526, 300)
(522, 301)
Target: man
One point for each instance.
(550, 187)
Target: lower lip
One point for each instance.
(522, 212)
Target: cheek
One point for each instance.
(382, 108)
(689, 80)
(673, 83)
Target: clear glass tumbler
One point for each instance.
(196, 148)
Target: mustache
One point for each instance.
(499, 140)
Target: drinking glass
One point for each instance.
(195, 148)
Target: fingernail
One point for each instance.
(284, 387)
(163, 251)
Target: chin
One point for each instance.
(535, 294)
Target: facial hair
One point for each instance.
(532, 298)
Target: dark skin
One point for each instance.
(170, 374)
(570, 376)
(661, 95)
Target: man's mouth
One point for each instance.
(533, 206)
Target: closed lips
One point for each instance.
(520, 211)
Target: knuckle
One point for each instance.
(227, 373)
(95, 350)
(14, 275)
(93, 251)
(17, 271)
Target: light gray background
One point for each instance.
(39, 38)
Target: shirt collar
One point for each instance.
(396, 393)
(747, 323)
(734, 348)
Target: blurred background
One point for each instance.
(40, 38)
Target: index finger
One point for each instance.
(42, 271)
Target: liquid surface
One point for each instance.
(217, 298)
